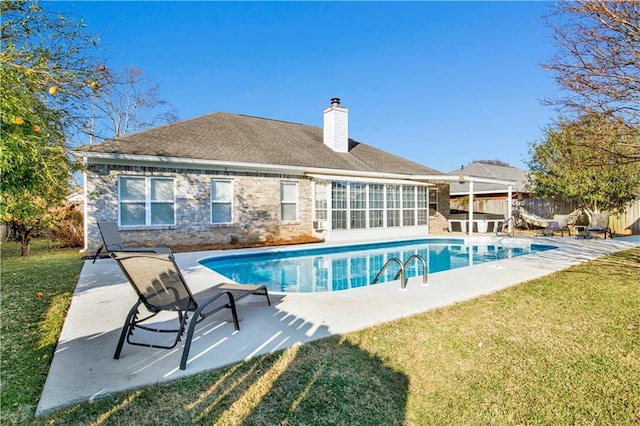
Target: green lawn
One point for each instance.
(563, 349)
(31, 324)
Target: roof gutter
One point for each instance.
(494, 192)
(463, 179)
(366, 179)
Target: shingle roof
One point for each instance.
(244, 139)
(490, 171)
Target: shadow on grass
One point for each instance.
(329, 381)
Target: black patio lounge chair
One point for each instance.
(161, 287)
(112, 241)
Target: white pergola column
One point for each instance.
(470, 208)
(510, 208)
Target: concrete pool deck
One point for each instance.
(83, 367)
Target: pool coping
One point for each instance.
(83, 367)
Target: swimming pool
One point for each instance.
(323, 269)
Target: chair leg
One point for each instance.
(126, 329)
(234, 313)
(192, 326)
(132, 322)
(266, 294)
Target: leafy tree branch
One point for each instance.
(565, 166)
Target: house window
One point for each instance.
(422, 205)
(393, 205)
(338, 205)
(408, 205)
(288, 201)
(376, 205)
(321, 201)
(221, 201)
(433, 201)
(145, 201)
(358, 205)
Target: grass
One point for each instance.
(562, 349)
(31, 323)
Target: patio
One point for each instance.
(83, 367)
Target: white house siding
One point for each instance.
(256, 207)
(336, 129)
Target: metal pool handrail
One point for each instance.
(511, 233)
(424, 267)
(403, 279)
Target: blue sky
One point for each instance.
(440, 83)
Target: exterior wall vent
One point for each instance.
(336, 127)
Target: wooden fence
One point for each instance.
(629, 221)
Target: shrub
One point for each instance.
(67, 228)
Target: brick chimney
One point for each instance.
(336, 127)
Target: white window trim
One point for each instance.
(400, 209)
(351, 209)
(212, 202)
(284, 202)
(333, 208)
(147, 200)
(321, 187)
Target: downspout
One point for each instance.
(85, 205)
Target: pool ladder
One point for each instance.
(401, 273)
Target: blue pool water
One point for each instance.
(338, 268)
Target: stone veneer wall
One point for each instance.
(256, 207)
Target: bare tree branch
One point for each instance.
(125, 101)
(597, 65)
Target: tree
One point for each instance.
(125, 101)
(44, 76)
(564, 166)
(492, 162)
(598, 62)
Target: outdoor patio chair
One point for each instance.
(598, 224)
(161, 287)
(559, 223)
(112, 241)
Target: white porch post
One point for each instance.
(470, 208)
(510, 208)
